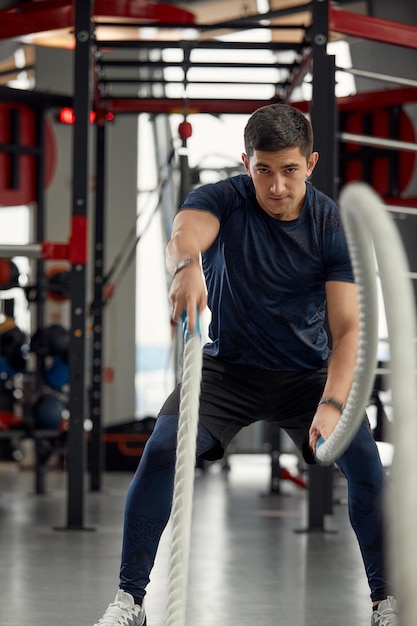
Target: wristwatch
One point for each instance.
(181, 265)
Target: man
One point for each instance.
(267, 252)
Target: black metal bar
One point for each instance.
(162, 81)
(18, 149)
(13, 71)
(232, 25)
(275, 452)
(77, 350)
(367, 153)
(14, 160)
(393, 158)
(320, 495)
(40, 236)
(323, 106)
(199, 45)
(34, 98)
(323, 119)
(127, 63)
(96, 450)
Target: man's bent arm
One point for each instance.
(343, 316)
(193, 232)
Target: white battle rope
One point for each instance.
(400, 311)
(356, 218)
(184, 480)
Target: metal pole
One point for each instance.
(96, 456)
(30, 250)
(323, 120)
(77, 351)
(378, 142)
(407, 82)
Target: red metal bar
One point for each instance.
(374, 28)
(77, 248)
(50, 250)
(176, 105)
(43, 15)
(360, 101)
(377, 99)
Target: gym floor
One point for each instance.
(248, 563)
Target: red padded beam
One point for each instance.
(373, 28)
(44, 15)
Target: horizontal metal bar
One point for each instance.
(232, 25)
(378, 142)
(408, 82)
(199, 45)
(34, 98)
(134, 105)
(30, 250)
(162, 81)
(16, 70)
(19, 149)
(203, 64)
(401, 209)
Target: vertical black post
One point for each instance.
(77, 350)
(40, 233)
(323, 120)
(323, 106)
(41, 467)
(275, 441)
(96, 456)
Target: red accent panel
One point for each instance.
(154, 11)
(52, 250)
(35, 17)
(387, 98)
(380, 171)
(373, 28)
(25, 193)
(44, 15)
(77, 252)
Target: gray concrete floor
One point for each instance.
(248, 565)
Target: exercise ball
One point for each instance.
(57, 373)
(57, 340)
(47, 412)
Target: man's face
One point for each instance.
(279, 180)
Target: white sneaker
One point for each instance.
(386, 613)
(123, 612)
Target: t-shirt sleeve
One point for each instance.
(338, 264)
(215, 198)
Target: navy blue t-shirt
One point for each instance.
(266, 277)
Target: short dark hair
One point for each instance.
(278, 126)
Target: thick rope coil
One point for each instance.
(355, 220)
(400, 310)
(184, 480)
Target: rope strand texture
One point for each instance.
(400, 310)
(355, 220)
(181, 514)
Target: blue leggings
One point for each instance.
(149, 500)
